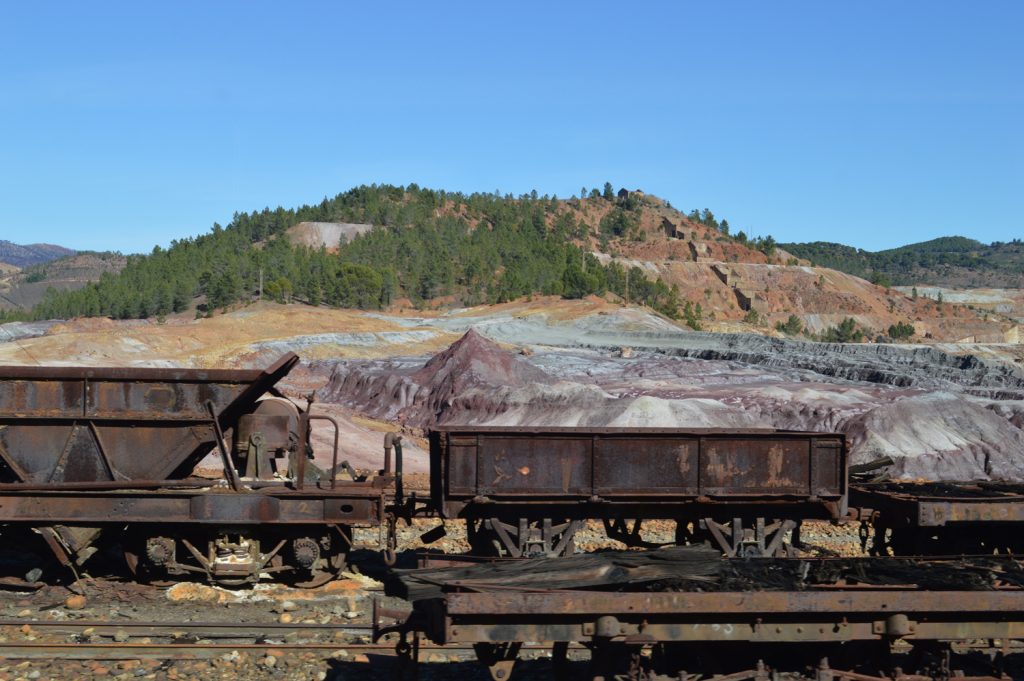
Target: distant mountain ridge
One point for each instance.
(31, 254)
(953, 261)
(23, 289)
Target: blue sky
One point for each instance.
(870, 123)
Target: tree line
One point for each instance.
(478, 248)
(910, 264)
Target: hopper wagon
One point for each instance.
(92, 457)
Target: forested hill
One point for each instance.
(426, 245)
(953, 261)
(31, 254)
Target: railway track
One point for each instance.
(114, 643)
(186, 631)
(104, 640)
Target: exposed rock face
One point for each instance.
(460, 381)
(898, 365)
(15, 331)
(326, 234)
(939, 416)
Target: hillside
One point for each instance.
(953, 261)
(378, 248)
(31, 254)
(24, 289)
(428, 248)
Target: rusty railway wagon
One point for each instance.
(527, 491)
(91, 457)
(940, 518)
(848, 631)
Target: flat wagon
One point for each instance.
(661, 613)
(940, 518)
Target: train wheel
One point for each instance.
(316, 562)
(136, 552)
(317, 577)
(144, 574)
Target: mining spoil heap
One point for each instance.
(938, 416)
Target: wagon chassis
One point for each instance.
(682, 627)
(939, 518)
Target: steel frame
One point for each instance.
(765, 616)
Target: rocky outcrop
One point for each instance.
(472, 376)
(897, 365)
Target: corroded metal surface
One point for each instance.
(348, 504)
(718, 631)
(633, 465)
(62, 424)
(89, 451)
(765, 617)
(936, 504)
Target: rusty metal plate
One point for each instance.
(461, 468)
(534, 466)
(250, 508)
(547, 463)
(234, 508)
(747, 467)
(22, 397)
(150, 400)
(349, 511)
(936, 504)
(827, 468)
(938, 513)
(646, 466)
(60, 424)
(93, 509)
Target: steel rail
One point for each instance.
(29, 650)
(185, 629)
(168, 651)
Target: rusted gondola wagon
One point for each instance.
(527, 491)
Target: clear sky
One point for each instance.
(125, 125)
